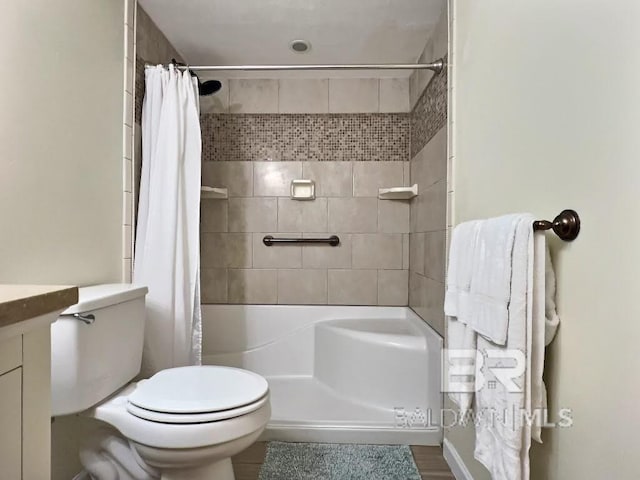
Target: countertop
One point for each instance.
(22, 302)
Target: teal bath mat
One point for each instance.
(328, 461)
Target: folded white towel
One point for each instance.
(535, 355)
(490, 292)
(551, 315)
(461, 340)
(503, 445)
(461, 254)
(502, 442)
(545, 325)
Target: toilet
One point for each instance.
(182, 423)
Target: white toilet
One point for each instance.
(182, 423)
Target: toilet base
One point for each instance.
(205, 463)
(175, 458)
(221, 470)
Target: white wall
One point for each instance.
(61, 168)
(546, 115)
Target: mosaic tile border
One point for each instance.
(430, 112)
(306, 137)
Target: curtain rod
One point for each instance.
(436, 67)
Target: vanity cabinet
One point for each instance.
(11, 424)
(25, 378)
(25, 405)
(11, 407)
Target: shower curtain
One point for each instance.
(167, 250)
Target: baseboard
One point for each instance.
(457, 466)
(310, 433)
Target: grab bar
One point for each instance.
(270, 240)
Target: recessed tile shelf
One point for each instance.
(213, 193)
(398, 193)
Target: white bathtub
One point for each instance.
(336, 374)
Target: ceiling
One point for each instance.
(233, 32)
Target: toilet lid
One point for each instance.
(196, 390)
(181, 418)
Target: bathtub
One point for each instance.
(336, 374)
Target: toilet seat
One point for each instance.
(187, 418)
(199, 389)
(195, 391)
(114, 411)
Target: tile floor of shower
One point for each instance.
(429, 460)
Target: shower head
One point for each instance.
(209, 87)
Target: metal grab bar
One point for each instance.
(270, 240)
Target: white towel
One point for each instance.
(535, 357)
(502, 439)
(460, 338)
(461, 254)
(490, 292)
(503, 446)
(505, 449)
(545, 325)
(551, 315)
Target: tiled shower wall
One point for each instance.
(257, 156)
(369, 267)
(427, 239)
(309, 95)
(348, 155)
(429, 169)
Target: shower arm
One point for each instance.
(436, 66)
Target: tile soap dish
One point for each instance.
(398, 193)
(303, 190)
(214, 193)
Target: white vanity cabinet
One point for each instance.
(25, 382)
(25, 404)
(11, 423)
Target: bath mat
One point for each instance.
(329, 461)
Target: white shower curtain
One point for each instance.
(167, 251)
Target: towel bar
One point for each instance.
(566, 225)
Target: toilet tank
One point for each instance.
(96, 346)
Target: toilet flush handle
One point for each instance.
(88, 318)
